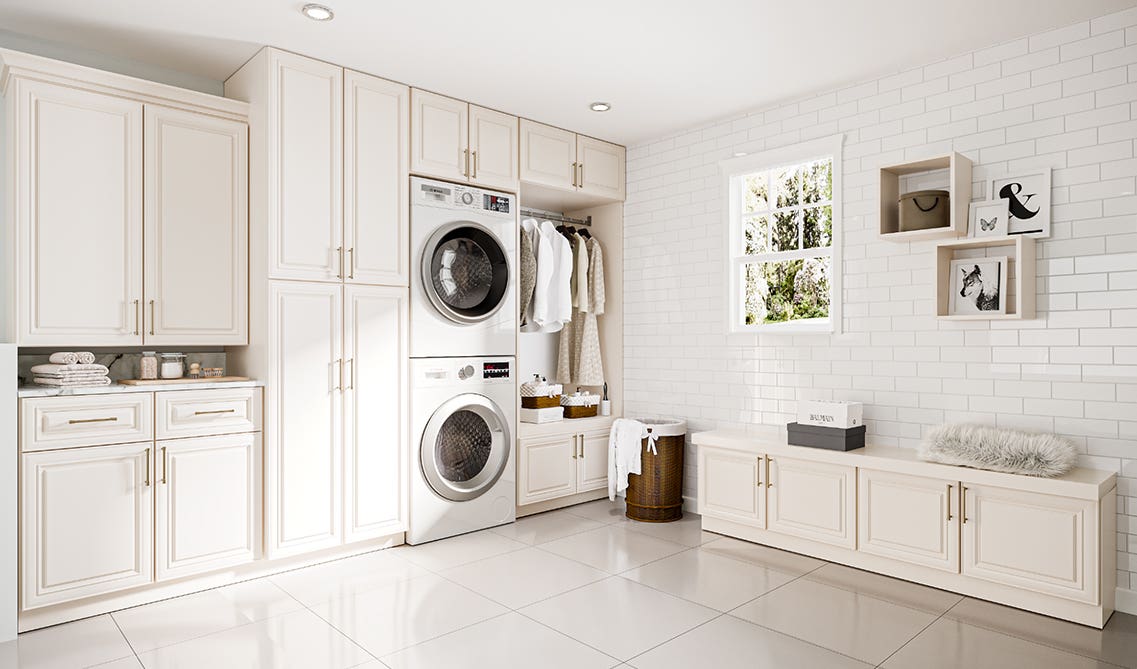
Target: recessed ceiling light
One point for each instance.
(600, 106)
(739, 154)
(318, 12)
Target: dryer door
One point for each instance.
(465, 272)
(465, 447)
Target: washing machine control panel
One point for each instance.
(454, 196)
(444, 372)
(495, 370)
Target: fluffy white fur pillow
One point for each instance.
(999, 450)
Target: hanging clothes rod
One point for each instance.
(556, 218)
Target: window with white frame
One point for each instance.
(785, 217)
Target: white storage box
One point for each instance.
(549, 415)
(830, 413)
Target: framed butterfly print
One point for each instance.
(988, 219)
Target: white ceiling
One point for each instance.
(663, 64)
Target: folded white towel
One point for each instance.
(64, 358)
(57, 370)
(86, 357)
(81, 376)
(72, 383)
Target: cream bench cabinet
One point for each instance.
(1045, 545)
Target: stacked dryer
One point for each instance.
(463, 343)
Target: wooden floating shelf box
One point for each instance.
(959, 185)
(1024, 264)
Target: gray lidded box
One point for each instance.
(831, 438)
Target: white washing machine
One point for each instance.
(463, 271)
(464, 420)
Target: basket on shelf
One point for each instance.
(655, 495)
(540, 394)
(580, 405)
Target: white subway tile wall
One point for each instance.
(1065, 99)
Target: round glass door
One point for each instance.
(464, 448)
(465, 272)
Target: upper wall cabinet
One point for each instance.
(455, 140)
(82, 180)
(196, 229)
(305, 185)
(330, 160)
(561, 159)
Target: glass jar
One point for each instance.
(148, 365)
(173, 365)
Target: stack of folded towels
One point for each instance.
(71, 370)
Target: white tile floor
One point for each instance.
(575, 589)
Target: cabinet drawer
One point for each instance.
(198, 413)
(64, 422)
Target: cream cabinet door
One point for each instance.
(592, 461)
(813, 500)
(306, 153)
(548, 155)
(77, 191)
(601, 170)
(546, 468)
(730, 486)
(375, 411)
(909, 518)
(207, 511)
(439, 136)
(197, 275)
(87, 519)
(303, 454)
(376, 163)
(1043, 543)
(493, 148)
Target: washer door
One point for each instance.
(465, 447)
(465, 272)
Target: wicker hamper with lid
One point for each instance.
(656, 495)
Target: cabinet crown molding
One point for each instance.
(20, 65)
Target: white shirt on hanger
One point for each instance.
(539, 313)
(559, 294)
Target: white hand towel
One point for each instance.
(624, 443)
(72, 383)
(63, 358)
(86, 357)
(57, 370)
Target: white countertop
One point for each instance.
(566, 426)
(1080, 483)
(32, 390)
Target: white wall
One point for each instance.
(1066, 99)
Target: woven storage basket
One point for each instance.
(540, 402)
(580, 412)
(656, 495)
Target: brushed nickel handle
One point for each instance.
(351, 375)
(575, 447)
(147, 481)
(339, 364)
(580, 440)
(580, 181)
(574, 175)
(214, 411)
(76, 421)
(758, 473)
(769, 481)
(152, 318)
(137, 316)
(165, 464)
(475, 161)
(466, 158)
(963, 504)
(339, 273)
(949, 486)
(351, 263)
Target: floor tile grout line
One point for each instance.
(669, 640)
(917, 634)
(881, 598)
(439, 636)
(569, 636)
(330, 624)
(124, 638)
(796, 638)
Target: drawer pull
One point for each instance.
(769, 481)
(76, 421)
(213, 412)
(147, 481)
(165, 464)
(963, 504)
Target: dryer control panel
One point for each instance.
(455, 196)
(429, 372)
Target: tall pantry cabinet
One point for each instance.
(328, 299)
